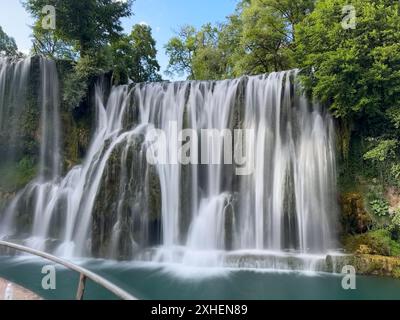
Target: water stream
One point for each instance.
(208, 211)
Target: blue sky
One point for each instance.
(164, 16)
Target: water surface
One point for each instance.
(157, 281)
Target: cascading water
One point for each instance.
(41, 190)
(118, 204)
(14, 77)
(44, 187)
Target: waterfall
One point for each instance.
(40, 192)
(14, 77)
(44, 188)
(119, 204)
(14, 83)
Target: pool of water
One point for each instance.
(162, 281)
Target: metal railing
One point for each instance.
(83, 273)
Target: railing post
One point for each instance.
(81, 287)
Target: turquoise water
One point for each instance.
(155, 281)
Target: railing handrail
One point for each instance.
(84, 273)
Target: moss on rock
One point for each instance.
(377, 242)
(368, 264)
(355, 219)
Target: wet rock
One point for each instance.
(368, 264)
(229, 225)
(355, 219)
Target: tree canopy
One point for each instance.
(90, 35)
(49, 44)
(87, 25)
(355, 71)
(258, 38)
(8, 46)
(135, 56)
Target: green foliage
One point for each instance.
(383, 158)
(84, 31)
(379, 207)
(395, 171)
(134, 56)
(384, 237)
(378, 242)
(89, 33)
(199, 54)
(88, 25)
(76, 83)
(209, 61)
(8, 46)
(268, 35)
(394, 227)
(383, 151)
(17, 175)
(49, 44)
(355, 71)
(394, 115)
(180, 50)
(257, 38)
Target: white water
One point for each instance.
(43, 189)
(14, 77)
(286, 205)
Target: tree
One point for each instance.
(355, 71)
(8, 46)
(230, 45)
(49, 44)
(180, 50)
(198, 54)
(258, 38)
(88, 24)
(135, 56)
(209, 59)
(267, 38)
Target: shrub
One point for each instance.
(394, 227)
(380, 207)
(378, 242)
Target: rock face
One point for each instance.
(127, 210)
(367, 264)
(355, 219)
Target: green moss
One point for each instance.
(354, 218)
(396, 273)
(76, 123)
(376, 242)
(15, 176)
